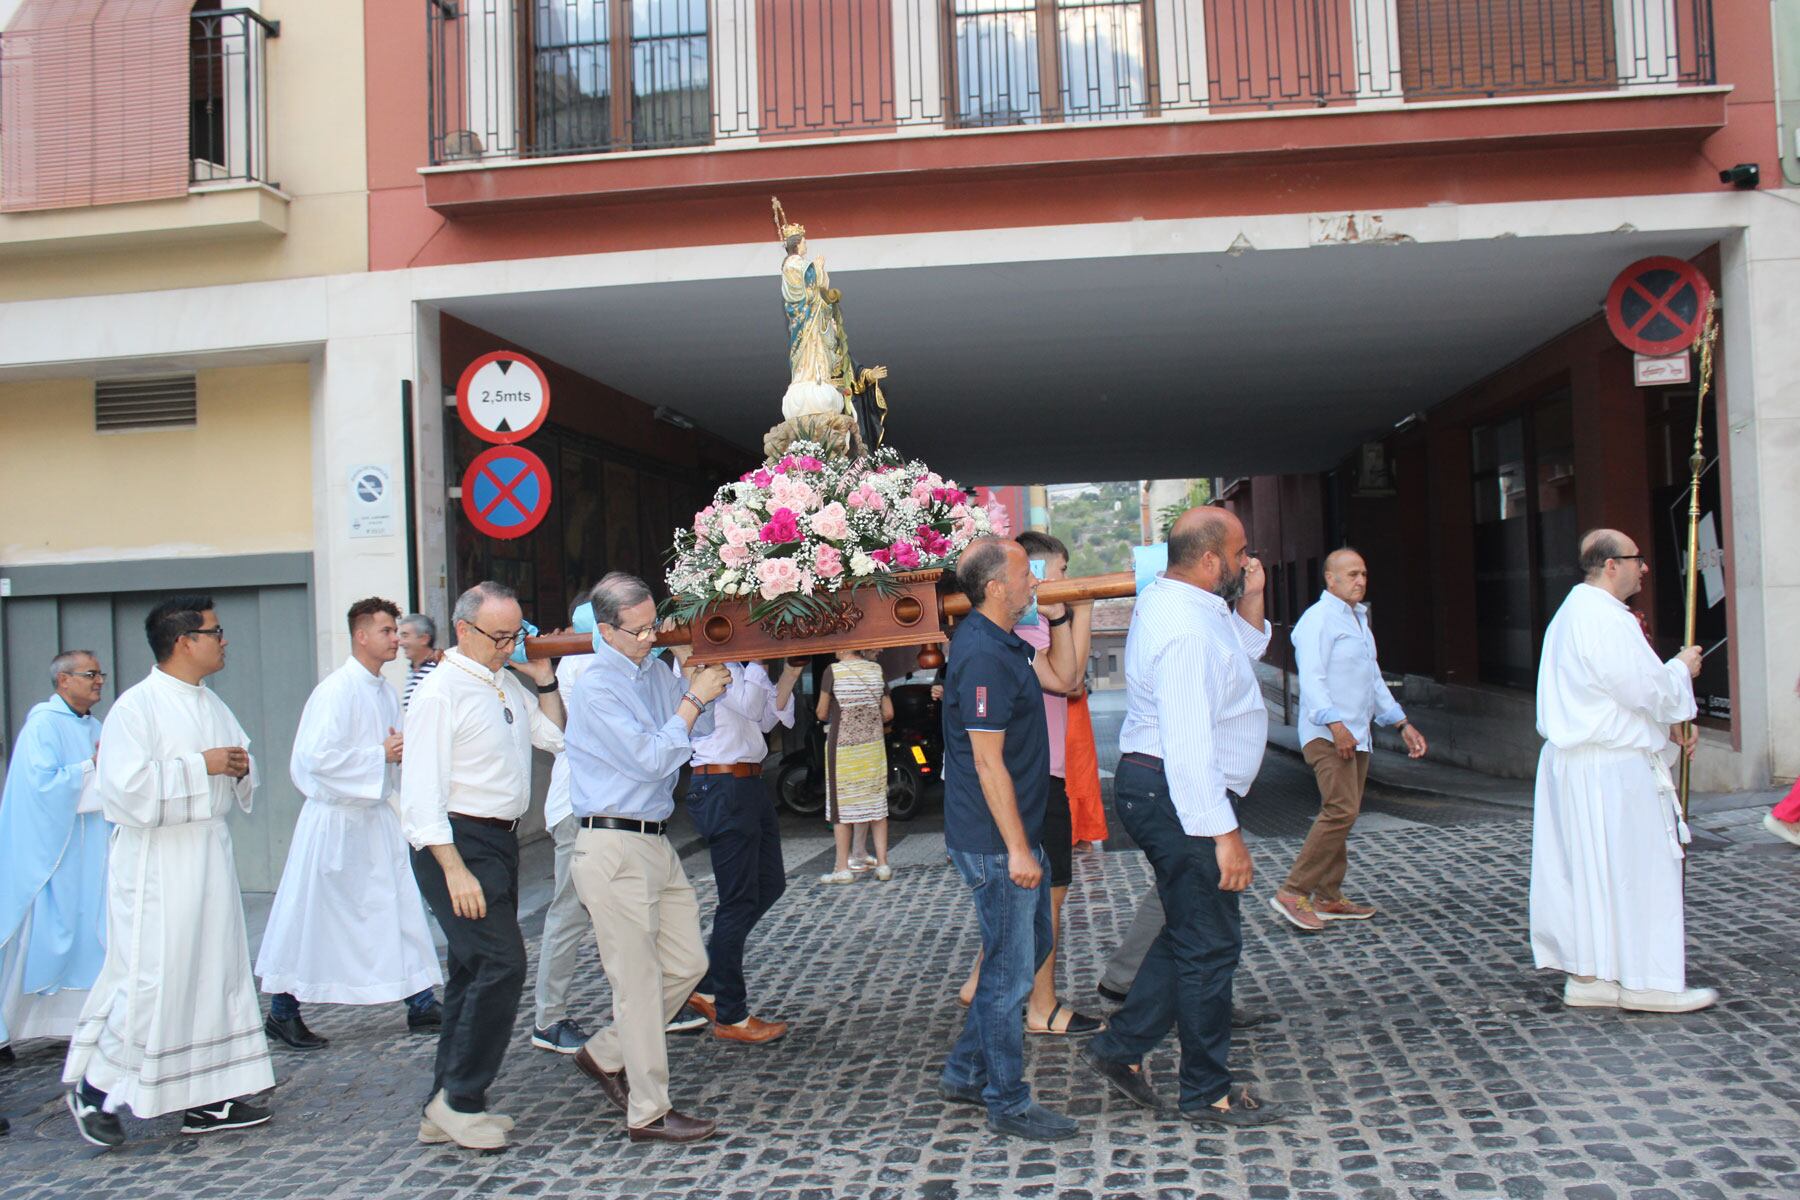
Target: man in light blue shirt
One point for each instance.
(1341, 695)
(632, 722)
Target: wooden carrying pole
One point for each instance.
(952, 604)
(1709, 334)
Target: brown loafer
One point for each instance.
(613, 1083)
(754, 1030)
(673, 1127)
(703, 1006)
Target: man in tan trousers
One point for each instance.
(1341, 696)
(631, 728)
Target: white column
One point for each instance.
(918, 64)
(1377, 31)
(1647, 42)
(737, 79)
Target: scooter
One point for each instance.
(915, 755)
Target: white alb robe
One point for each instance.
(172, 1022)
(1607, 835)
(348, 924)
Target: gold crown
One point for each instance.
(782, 227)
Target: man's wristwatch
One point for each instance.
(698, 704)
(544, 689)
(1053, 622)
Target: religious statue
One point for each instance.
(829, 399)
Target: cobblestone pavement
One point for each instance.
(1429, 1059)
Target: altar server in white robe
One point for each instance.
(1606, 897)
(172, 1022)
(348, 924)
(52, 859)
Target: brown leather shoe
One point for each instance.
(614, 1083)
(673, 1127)
(754, 1030)
(703, 1006)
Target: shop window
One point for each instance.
(1526, 536)
(1024, 62)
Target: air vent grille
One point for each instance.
(155, 402)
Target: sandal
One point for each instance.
(837, 877)
(1079, 1024)
(862, 864)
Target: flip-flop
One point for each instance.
(1080, 1024)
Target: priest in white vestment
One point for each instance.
(172, 1022)
(1607, 837)
(348, 924)
(52, 859)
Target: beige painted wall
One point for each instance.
(239, 482)
(317, 155)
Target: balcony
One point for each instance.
(517, 82)
(155, 162)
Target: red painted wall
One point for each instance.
(825, 67)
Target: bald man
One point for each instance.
(1342, 697)
(1607, 832)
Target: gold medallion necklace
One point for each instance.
(493, 683)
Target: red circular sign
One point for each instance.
(1658, 306)
(506, 491)
(503, 397)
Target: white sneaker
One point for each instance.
(1651, 1000)
(837, 877)
(884, 872)
(1590, 993)
(1787, 831)
(471, 1131)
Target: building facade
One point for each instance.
(1124, 240)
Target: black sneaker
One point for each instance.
(7, 1057)
(96, 1126)
(293, 1033)
(425, 1020)
(227, 1114)
(688, 1020)
(563, 1037)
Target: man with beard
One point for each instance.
(1192, 743)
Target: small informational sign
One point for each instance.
(1147, 562)
(371, 502)
(506, 491)
(1657, 306)
(503, 397)
(1662, 372)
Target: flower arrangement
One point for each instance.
(801, 528)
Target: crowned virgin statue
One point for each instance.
(828, 399)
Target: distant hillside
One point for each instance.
(1100, 529)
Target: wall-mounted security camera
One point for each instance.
(1744, 175)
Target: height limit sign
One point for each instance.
(503, 397)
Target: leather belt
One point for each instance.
(735, 770)
(496, 822)
(655, 828)
(1142, 760)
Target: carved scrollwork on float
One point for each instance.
(840, 615)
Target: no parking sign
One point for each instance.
(506, 491)
(1657, 306)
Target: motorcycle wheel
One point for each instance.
(903, 794)
(798, 792)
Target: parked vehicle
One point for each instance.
(915, 751)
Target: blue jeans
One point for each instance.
(737, 819)
(1186, 978)
(1015, 941)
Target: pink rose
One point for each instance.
(827, 562)
(831, 522)
(789, 492)
(807, 462)
(762, 479)
(901, 554)
(931, 541)
(778, 577)
(738, 535)
(921, 492)
(783, 527)
(734, 555)
(867, 497)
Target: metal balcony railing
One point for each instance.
(228, 95)
(530, 78)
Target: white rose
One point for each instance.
(861, 564)
(726, 579)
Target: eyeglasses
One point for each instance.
(642, 635)
(1623, 557)
(499, 639)
(217, 631)
(95, 676)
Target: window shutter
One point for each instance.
(153, 402)
(95, 101)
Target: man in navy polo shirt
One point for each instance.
(996, 786)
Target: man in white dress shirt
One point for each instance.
(465, 782)
(1607, 833)
(735, 812)
(1342, 694)
(348, 925)
(1193, 738)
(172, 1022)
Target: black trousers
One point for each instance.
(737, 818)
(486, 962)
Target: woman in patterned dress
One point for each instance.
(853, 698)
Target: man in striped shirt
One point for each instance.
(418, 641)
(1195, 728)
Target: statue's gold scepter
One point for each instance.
(1709, 334)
